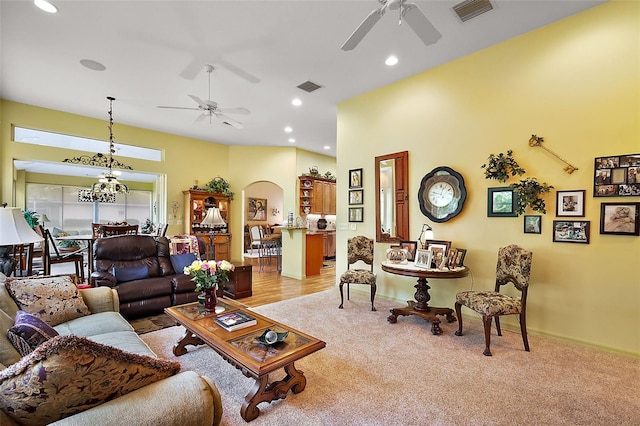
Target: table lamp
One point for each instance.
(214, 221)
(426, 233)
(14, 230)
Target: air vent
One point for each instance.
(471, 8)
(309, 86)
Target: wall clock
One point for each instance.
(442, 194)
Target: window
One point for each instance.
(60, 204)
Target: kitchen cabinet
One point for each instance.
(317, 195)
(196, 204)
(315, 246)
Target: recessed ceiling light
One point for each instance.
(288, 129)
(292, 140)
(296, 102)
(391, 60)
(46, 6)
(327, 147)
(92, 65)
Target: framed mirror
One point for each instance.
(392, 199)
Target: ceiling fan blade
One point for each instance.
(199, 101)
(363, 29)
(242, 111)
(211, 104)
(228, 120)
(200, 118)
(239, 72)
(419, 23)
(174, 107)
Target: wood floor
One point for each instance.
(269, 286)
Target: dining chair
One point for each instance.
(96, 230)
(23, 254)
(359, 248)
(514, 266)
(53, 256)
(161, 231)
(255, 234)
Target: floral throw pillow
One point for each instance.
(29, 332)
(52, 299)
(70, 374)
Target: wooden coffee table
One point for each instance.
(241, 349)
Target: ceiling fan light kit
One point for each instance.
(211, 109)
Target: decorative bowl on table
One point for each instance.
(270, 337)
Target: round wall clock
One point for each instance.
(442, 194)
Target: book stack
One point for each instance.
(235, 321)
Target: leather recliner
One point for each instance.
(163, 287)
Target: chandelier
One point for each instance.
(108, 184)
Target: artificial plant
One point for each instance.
(219, 185)
(528, 192)
(501, 167)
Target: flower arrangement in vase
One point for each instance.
(208, 275)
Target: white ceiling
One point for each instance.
(155, 51)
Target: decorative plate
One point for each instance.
(270, 337)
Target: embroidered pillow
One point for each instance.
(52, 299)
(70, 374)
(179, 261)
(29, 332)
(130, 273)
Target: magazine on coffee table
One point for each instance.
(235, 321)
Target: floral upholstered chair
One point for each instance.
(359, 248)
(514, 266)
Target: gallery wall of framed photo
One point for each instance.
(613, 176)
(356, 196)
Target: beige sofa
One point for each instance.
(183, 399)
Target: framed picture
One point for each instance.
(570, 203)
(571, 231)
(356, 196)
(411, 247)
(532, 224)
(355, 214)
(501, 202)
(439, 249)
(355, 178)
(460, 255)
(423, 258)
(257, 209)
(619, 218)
(451, 260)
(617, 176)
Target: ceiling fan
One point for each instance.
(210, 108)
(418, 22)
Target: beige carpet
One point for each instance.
(376, 373)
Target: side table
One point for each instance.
(420, 306)
(240, 281)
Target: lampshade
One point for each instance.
(44, 218)
(14, 228)
(213, 218)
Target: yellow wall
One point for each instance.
(239, 165)
(577, 84)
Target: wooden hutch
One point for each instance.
(196, 204)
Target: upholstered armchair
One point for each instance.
(359, 248)
(514, 266)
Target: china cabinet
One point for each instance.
(196, 204)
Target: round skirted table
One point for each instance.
(420, 306)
